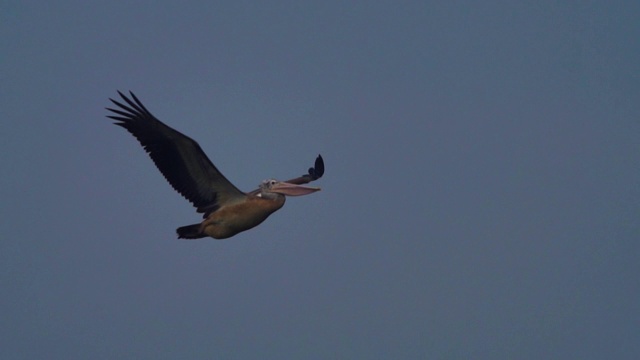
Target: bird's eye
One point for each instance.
(272, 182)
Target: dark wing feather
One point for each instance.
(178, 157)
(314, 173)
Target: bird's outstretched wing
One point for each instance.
(314, 173)
(178, 157)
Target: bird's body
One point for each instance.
(227, 210)
(232, 219)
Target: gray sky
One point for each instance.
(480, 199)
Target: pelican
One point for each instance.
(227, 210)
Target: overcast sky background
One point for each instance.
(481, 196)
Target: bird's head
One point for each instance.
(272, 188)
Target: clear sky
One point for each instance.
(481, 197)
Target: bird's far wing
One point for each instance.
(314, 173)
(178, 157)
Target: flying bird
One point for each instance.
(227, 210)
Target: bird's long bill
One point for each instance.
(293, 189)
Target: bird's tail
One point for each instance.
(190, 232)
